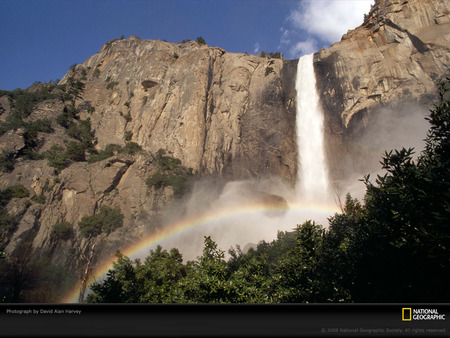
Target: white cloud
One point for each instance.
(322, 21)
(304, 47)
(256, 48)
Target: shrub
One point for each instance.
(7, 222)
(276, 55)
(14, 191)
(201, 41)
(56, 157)
(81, 131)
(75, 151)
(38, 198)
(104, 154)
(127, 117)
(175, 55)
(269, 70)
(170, 173)
(127, 104)
(62, 231)
(131, 148)
(111, 85)
(7, 161)
(128, 135)
(65, 119)
(105, 221)
(96, 73)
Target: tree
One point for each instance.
(404, 236)
(201, 41)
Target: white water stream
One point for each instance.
(312, 175)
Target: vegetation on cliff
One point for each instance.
(392, 248)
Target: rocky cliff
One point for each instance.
(218, 112)
(395, 57)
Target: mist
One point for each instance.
(240, 213)
(382, 130)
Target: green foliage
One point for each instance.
(131, 148)
(22, 104)
(263, 54)
(170, 173)
(201, 41)
(14, 191)
(128, 135)
(269, 70)
(175, 55)
(7, 222)
(127, 117)
(62, 231)
(38, 198)
(104, 154)
(96, 73)
(127, 104)
(81, 131)
(56, 157)
(276, 55)
(31, 279)
(111, 85)
(105, 221)
(65, 119)
(7, 161)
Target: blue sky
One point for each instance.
(42, 38)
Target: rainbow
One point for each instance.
(205, 219)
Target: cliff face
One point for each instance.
(396, 56)
(219, 113)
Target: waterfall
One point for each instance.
(312, 175)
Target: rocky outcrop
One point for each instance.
(220, 113)
(397, 55)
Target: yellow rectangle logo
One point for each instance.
(406, 314)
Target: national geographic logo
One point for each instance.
(413, 314)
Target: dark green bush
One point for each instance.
(6, 161)
(14, 191)
(62, 231)
(128, 135)
(131, 148)
(171, 173)
(75, 151)
(105, 221)
(111, 85)
(81, 131)
(38, 199)
(56, 157)
(104, 154)
(269, 70)
(201, 41)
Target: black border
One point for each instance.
(218, 320)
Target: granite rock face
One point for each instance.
(219, 113)
(396, 56)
